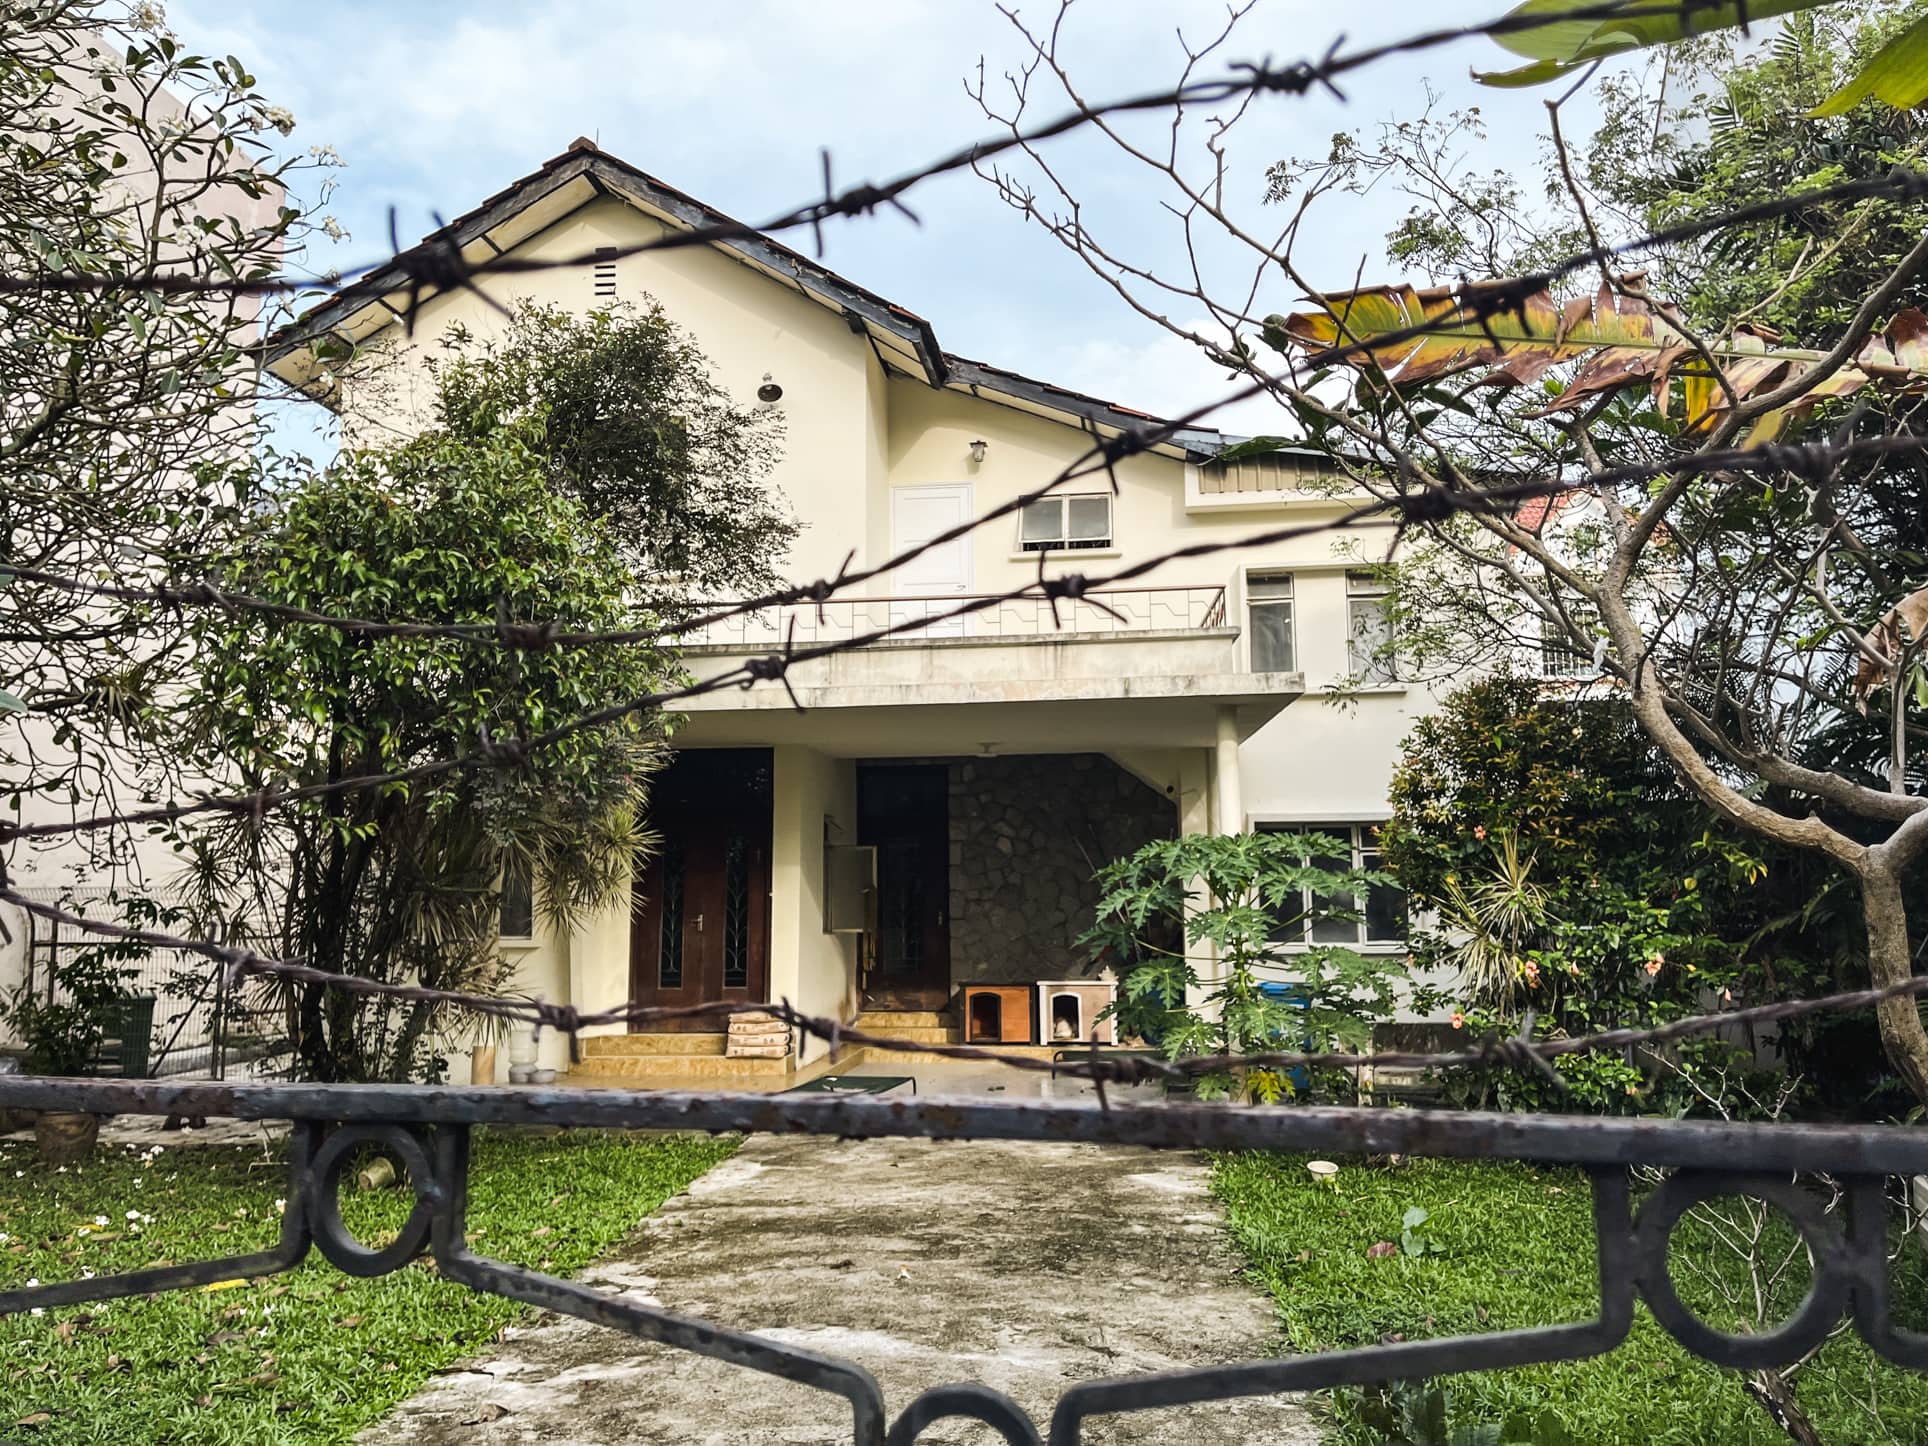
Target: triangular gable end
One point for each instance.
(299, 353)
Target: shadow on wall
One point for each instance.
(1026, 835)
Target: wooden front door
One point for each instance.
(905, 812)
(700, 926)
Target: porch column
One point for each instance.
(1228, 799)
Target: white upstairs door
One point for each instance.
(923, 586)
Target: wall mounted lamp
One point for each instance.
(978, 449)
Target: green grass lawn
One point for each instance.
(1516, 1251)
(308, 1356)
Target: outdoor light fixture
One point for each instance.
(769, 393)
(978, 449)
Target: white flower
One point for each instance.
(281, 118)
(332, 229)
(133, 1215)
(100, 1222)
(280, 1207)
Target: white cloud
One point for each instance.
(436, 105)
(1155, 371)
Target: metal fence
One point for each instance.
(1017, 619)
(195, 1019)
(428, 1131)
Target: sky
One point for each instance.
(433, 106)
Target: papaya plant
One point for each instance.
(1213, 937)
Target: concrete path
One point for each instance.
(1025, 1267)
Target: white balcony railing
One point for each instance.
(966, 616)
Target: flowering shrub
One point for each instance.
(1569, 873)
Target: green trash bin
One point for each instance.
(129, 1039)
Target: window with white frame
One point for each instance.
(1268, 603)
(1381, 913)
(1559, 658)
(1058, 523)
(1369, 649)
(518, 916)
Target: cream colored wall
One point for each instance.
(851, 434)
(744, 323)
(1316, 758)
(815, 971)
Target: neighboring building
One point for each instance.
(993, 762)
(90, 872)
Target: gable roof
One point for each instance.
(905, 343)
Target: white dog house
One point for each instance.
(1068, 1011)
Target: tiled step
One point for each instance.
(614, 1067)
(878, 1021)
(913, 1033)
(686, 1045)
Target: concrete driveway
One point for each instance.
(1026, 1267)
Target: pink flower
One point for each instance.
(1532, 972)
(1479, 831)
(1653, 964)
(1459, 1020)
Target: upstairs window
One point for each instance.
(1369, 652)
(1060, 523)
(1268, 602)
(1559, 658)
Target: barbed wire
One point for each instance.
(541, 635)
(1085, 1059)
(438, 265)
(1429, 504)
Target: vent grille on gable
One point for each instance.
(605, 273)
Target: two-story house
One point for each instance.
(991, 761)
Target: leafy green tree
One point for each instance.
(1731, 126)
(1197, 925)
(632, 425)
(123, 155)
(400, 883)
(1567, 869)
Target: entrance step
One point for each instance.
(878, 1058)
(902, 1018)
(688, 1043)
(913, 1026)
(617, 1067)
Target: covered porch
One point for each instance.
(984, 780)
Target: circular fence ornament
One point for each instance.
(970, 1402)
(1827, 1296)
(332, 1237)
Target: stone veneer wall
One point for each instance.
(1027, 833)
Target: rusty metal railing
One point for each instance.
(428, 1130)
